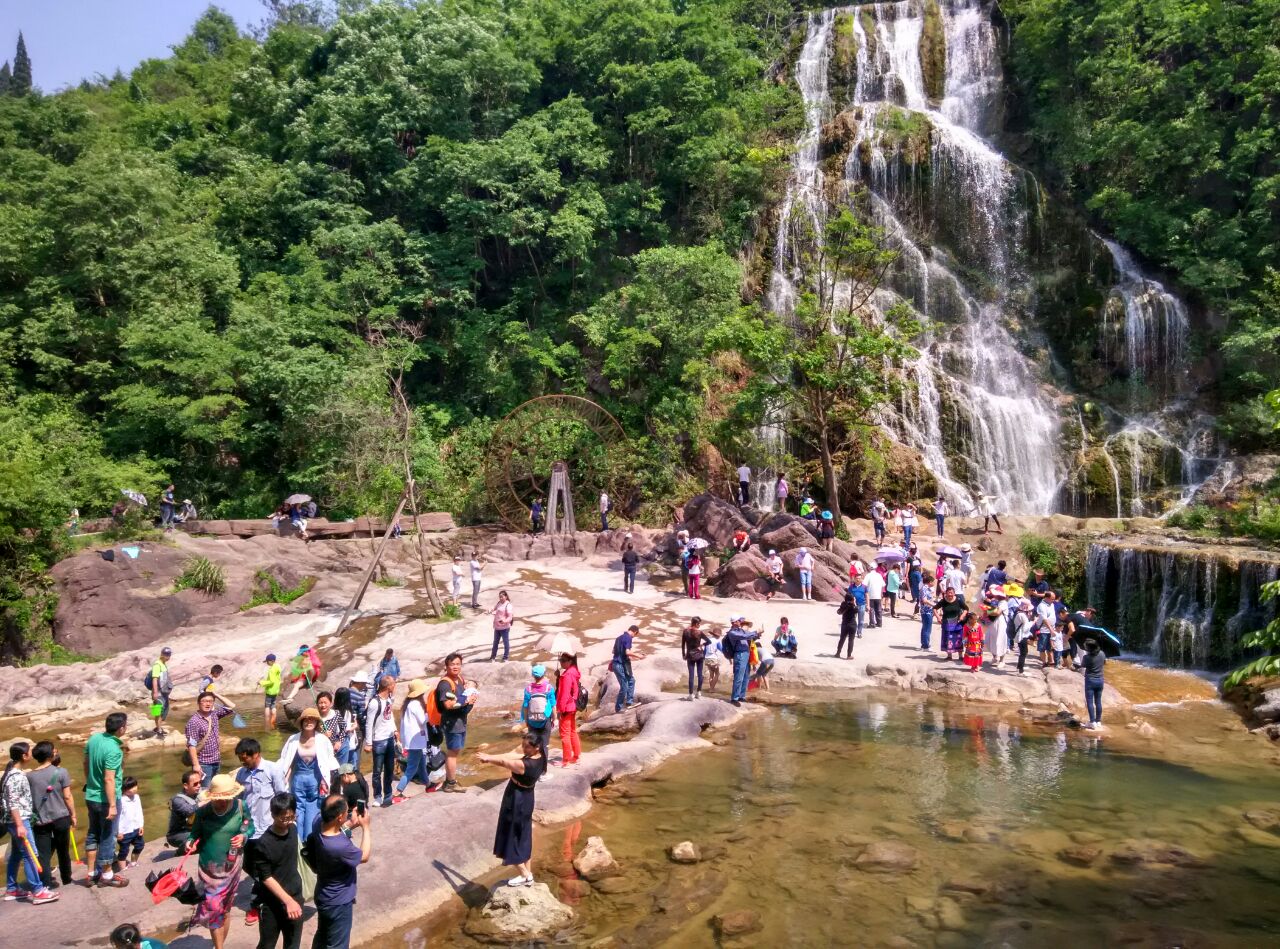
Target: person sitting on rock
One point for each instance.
(741, 541)
(784, 641)
(807, 509)
(774, 564)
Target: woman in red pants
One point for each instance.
(568, 685)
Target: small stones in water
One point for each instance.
(968, 885)
(888, 856)
(685, 852)
(738, 922)
(1080, 855)
(1263, 819)
(1259, 838)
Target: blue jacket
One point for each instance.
(740, 640)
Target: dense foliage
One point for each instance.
(196, 260)
(1163, 117)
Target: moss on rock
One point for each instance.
(933, 51)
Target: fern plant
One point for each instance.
(201, 573)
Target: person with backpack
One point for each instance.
(15, 798)
(53, 812)
(571, 698)
(620, 666)
(448, 707)
(159, 684)
(380, 739)
(737, 645)
(304, 670)
(538, 711)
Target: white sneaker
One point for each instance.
(697, 695)
(520, 881)
(375, 803)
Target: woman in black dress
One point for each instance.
(513, 843)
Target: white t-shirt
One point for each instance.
(475, 571)
(774, 564)
(953, 578)
(456, 571)
(413, 726)
(604, 504)
(1048, 614)
(744, 473)
(804, 561)
(879, 512)
(874, 584)
(941, 509)
(987, 507)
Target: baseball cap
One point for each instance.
(271, 657)
(539, 670)
(166, 651)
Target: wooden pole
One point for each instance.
(428, 580)
(368, 574)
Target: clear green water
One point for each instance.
(783, 808)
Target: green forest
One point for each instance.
(216, 269)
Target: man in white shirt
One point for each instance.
(380, 738)
(455, 578)
(940, 511)
(874, 584)
(477, 568)
(605, 506)
(1046, 628)
(744, 484)
(879, 512)
(804, 564)
(954, 578)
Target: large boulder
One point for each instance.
(516, 914)
(743, 576)
(713, 518)
(595, 862)
(791, 534)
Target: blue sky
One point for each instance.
(71, 40)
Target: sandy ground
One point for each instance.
(429, 849)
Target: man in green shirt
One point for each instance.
(161, 686)
(103, 784)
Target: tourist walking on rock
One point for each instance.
(15, 799)
(262, 781)
(273, 863)
(1046, 628)
(331, 723)
(954, 616)
(348, 750)
(630, 561)
(503, 617)
(848, 612)
(1022, 632)
(53, 810)
(167, 507)
(477, 571)
(568, 687)
(879, 512)
(222, 829)
(455, 579)
(160, 683)
(804, 566)
(973, 644)
(308, 764)
(1092, 663)
(358, 692)
(605, 507)
(538, 710)
(784, 642)
(388, 665)
(693, 648)
(940, 512)
(773, 563)
(513, 841)
(987, 508)
(413, 738)
(620, 666)
(270, 683)
(182, 810)
(874, 583)
(204, 748)
(103, 784)
(682, 554)
(453, 703)
(380, 739)
(535, 516)
(744, 485)
(826, 531)
(334, 858)
(915, 580)
(892, 584)
(995, 623)
(966, 562)
(711, 661)
(695, 575)
(924, 603)
(781, 491)
(739, 640)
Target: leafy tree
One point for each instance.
(825, 369)
(1268, 639)
(20, 81)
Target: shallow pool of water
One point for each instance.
(998, 817)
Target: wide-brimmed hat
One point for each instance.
(223, 787)
(965, 547)
(417, 687)
(309, 713)
(362, 677)
(997, 591)
(347, 768)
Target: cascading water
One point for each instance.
(1183, 605)
(1155, 327)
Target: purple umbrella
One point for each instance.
(891, 556)
(948, 552)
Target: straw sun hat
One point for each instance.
(417, 687)
(223, 787)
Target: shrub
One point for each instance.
(1040, 552)
(270, 591)
(201, 573)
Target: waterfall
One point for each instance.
(1156, 327)
(1180, 604)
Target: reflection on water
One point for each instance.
(1019, 835)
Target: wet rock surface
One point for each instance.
(515, 914)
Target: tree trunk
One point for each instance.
(829, 475)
